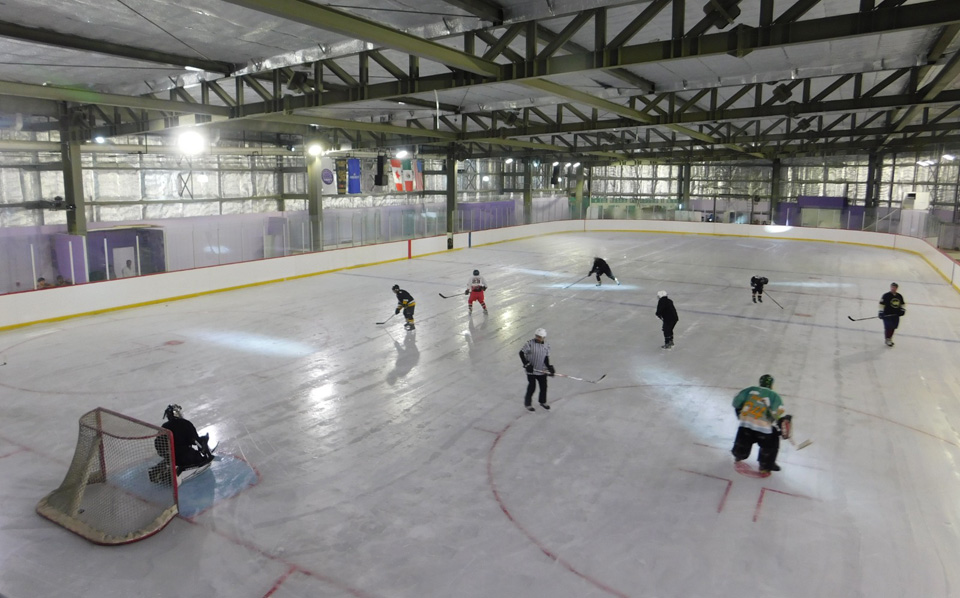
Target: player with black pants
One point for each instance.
(535, 356)
(600, 266)
(756, 283)
(407, 304)
(189, 448)
(668, 314)
(762, 419)
(891, 308)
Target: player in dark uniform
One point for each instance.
(600, 266)
(891, 308)
(407, 304)
(756, 283)
(189, 448)
(668, 314)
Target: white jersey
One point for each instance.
(476, 283)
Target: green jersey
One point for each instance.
(759, 408)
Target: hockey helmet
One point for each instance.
(541, 333)
(766, 381)
(661, 294)
(173, 411)
(395, 288)
(476, 272)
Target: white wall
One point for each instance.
(19, 309)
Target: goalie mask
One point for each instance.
(173, 411)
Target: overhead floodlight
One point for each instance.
(567, 165)
(401, 154)
(486, 178)
(100, 139)
(536, 163)
(193, 68)
(576, 165)
(556, 164)
(926, 162)
(508, 161)
(314, 149)
(949, 157)
(191, 143)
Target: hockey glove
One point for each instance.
(484, 289)
(880, 314)
(551, 369)
(528, 367)
(902, 311)
(467, 292)
(785, 424)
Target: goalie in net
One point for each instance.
(190, 450)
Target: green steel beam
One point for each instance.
(482, 9)
(329, 19)
(48, 37)
(86, 96)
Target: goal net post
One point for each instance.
(121, 485)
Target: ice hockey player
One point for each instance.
(668, 314)
(891, 308)
(535, 356)
(600, 266)
(189, 448)
(762, 421)
(756, 283)
(475, 288)
(407, 304)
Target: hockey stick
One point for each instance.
(852, 319)
(448, 296)
(774, 300)
(800, 446)
(576, 281)
(387, 320)
(572, 377)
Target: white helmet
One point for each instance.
(541, 333)
(661, 294)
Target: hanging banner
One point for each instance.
(408, 175)
(328, 177)
(418, 174)
(397, 167)
(353, 175)
(342, 176)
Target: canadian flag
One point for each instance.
(397, 167)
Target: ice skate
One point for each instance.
(530, 408)
(485, 312)
(409, 326)
(889, 342)
(598, 284)
(759, 299)
(618, 281)
(754, 299)
(545, 406)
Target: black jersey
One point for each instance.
(405, 299)
(892, 304)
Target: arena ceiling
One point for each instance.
(659, 80)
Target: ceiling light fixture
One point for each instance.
(949, 157)
(315, 149)
(401, 154)
(191, 143)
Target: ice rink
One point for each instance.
(396, 464)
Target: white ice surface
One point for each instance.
(401, 464)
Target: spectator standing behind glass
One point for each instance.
(43, 284)
(127, 270)
(62, 282)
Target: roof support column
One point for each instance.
(315, 201)
(578, 194)
(775, 177)
(685, 184)
(527, 192)
(73, 180)
(450, 165)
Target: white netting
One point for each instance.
(119, 487)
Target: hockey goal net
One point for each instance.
(120, 487)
